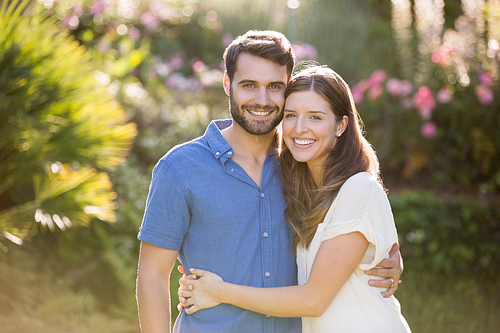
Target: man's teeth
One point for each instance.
(303, 141)
(259, 113)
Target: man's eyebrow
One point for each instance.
(245, 81)
(281, 83)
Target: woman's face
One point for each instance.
(310, 128)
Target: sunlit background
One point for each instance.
(94, 92)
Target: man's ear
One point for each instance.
(227, 84)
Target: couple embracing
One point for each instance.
(278, 213)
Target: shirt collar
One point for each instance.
(219, 146)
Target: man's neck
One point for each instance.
(250, 151)
(252, 146)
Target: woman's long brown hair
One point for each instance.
(352, 153)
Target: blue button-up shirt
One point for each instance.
(204, 205)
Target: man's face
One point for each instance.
(256, 94)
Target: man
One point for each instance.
(216, 201)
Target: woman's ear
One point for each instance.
(227, 84)
(342, 126)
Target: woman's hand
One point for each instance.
(197, 294)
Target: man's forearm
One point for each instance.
(153, 301)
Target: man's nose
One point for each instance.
(262, 97)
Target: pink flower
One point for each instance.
(428, 129)
(424, 102)
(375, 92)
(176, 61)
(149, 20)
(362, 86)
(227, 38)
(357, 94)
(443, 55)
(134, 34)
(161, 9)
(444, 95)
(72, 22)
(399, 88)
(304, 51)
(484, 94)
(198, 66)
(486, 79)
(377, 77)
(98, 7)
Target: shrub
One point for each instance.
(448, 236)
(59, 129)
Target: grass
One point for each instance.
(458, 304)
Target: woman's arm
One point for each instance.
(335, 262)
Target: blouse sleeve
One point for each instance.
(362, 206)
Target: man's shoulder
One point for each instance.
(186, 149)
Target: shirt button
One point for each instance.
(265, 234)
(267, 274)
(217, 153)
(230, 153)
(268, 316)
(262, 195)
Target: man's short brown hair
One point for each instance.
(268, 44)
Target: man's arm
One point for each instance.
(390, 269)
(153, 288)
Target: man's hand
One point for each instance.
(390, 269)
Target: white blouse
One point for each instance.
(360, 206)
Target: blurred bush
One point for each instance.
(435, 125)
(60, 131)
(448, 236)
(451, 252)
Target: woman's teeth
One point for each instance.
(303, 141)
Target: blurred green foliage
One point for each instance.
(59, 128)
(447, 235)
(451, 251)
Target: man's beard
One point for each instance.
(255, 127)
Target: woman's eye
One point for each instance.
(315, 118)
(289, 115)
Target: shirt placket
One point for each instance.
(266, 237)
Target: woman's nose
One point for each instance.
(301, 126)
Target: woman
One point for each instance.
(339, 214)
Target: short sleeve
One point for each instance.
(166, 217)
(362, 206)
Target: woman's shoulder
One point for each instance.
(361, 180)
(362, 184)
